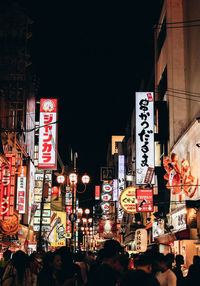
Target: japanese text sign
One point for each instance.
(21, 189)
(144, 111)
(127, 200)
(141, 240)
(48, 134)
(7, 187)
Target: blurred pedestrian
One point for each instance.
(193, 272)
(178, 271)
(18, 272)
(51, 273)
(139, 277)
(5, 261)
(165, 275)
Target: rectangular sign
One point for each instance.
(107, 173)
(48, 134)
(145, 200)
(21, 190)
(144, 112)
(7, 187)
(121, 182)
(97, 193)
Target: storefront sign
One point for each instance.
(106, 197)
(107, 188)
(178, 220)
(48, 134)
(144, 200)
(141, 240)
(7, 187)
(68, 199)
(115, 190)
(144, 110)
(59, 231)
(127, 200)
(21, 189)
(55, 193)
(107, 173)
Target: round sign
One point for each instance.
(105, 206)
(106, 197)
(127, 200)
(72, 217)
(107, 188)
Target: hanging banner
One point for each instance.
(127, 200)
(144, 112)
(97, 193)
(141, 240)
(7, 187)
(21, 190)
(48, 134)
(59, 232)
(121, 182)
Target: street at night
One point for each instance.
(99, 143)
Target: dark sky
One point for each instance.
(92, 55)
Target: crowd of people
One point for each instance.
(111, 266)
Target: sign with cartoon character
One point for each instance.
(59, 232)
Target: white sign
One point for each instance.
(144, 111)
(47, 134)
(141, 240)
(158, 228)
(121, 182)
(178, 220)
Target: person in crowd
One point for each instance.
(193, 272)
(51, 272)
(138, 277)
(84, 266)
(108, 273)
(5, 261)
(178, 271)
(170, 260)
(70, 271)
(165, 275)
(144, 262)
(18, 272)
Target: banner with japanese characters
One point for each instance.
(7, 187)
(48, 134)
(144, 112)
(21, 190)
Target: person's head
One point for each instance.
(120, 263)
(144, 262)
(179, 260)
(20, 262)
(7, 255)
(112, 248)
(196, 259)
(161, 262)
(169, 259)
(57, 261)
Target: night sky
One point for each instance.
(92, 56)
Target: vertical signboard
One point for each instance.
(59, 231)
(21, 190)
(48, 134)
(144, 111)
(115, 190)
(97, 193)
(145, 200)
(7, 187)
(121, 182)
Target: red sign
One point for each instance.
(47, 133)
(144, 200)
(7, 187)
(97, 192)
(68, 210)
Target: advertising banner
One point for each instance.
(48, 134)
(7, 187)
(127, 200)
(144, 112)
(144, 200)
(59, 232)
(21, 190)
(121, 182)
(97, 193)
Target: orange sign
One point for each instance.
(127, 200)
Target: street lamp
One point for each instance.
(60, 179)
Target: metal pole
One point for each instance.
(39, 248)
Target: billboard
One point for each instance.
(144, 200)
(59, 231)
(144, 112)
(127, 200)
(48, 134)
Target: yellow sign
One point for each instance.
(59, 232)
(127, 200)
